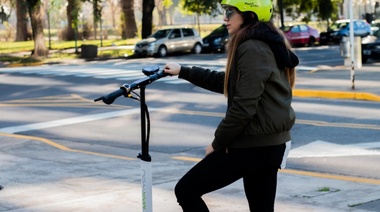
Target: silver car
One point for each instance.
(166, 41)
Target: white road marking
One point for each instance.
(132, 73)
(68, 121)
(326, 149)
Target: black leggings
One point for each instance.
(257, 166)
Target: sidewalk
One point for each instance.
(39, 175)
(335, 82)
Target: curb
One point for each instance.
(12, 65)
(336, 95)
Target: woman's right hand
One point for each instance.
(172, 69)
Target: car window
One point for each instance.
(340, 25)
(344, 25)
(187, 32)
(176, 33)
(356, 25)
(161, 34)
(220, 30)
(303, 28)
(295, 29)
(360, 25)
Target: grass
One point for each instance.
(324, 189)
(19, 52)
(24, 46)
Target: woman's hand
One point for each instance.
(209, 149)
(172, 69)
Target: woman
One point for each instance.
(250, 141)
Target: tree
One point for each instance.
(72, 12)
(36, 15)
(162, 7)
(97, 13)
(201, 7)
(114, 7)
(291, 8)
(22, 21)
(147, 18)
(325, 8)
(129, 25)
(4, 14)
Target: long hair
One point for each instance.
(250, 23)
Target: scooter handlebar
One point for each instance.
(152, 75)
(110, 98)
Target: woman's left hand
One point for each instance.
(209, 149)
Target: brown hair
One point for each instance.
(251, 22)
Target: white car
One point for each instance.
(171, 40)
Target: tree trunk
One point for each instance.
(129, 26)
(95, 18)
(36, 17)
(147, 18)
(22, 21)
(114, 9)
(161, 9)
(70, 12)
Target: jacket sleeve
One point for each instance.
(204, 78)
(254, 65)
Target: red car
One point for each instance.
(301, 34)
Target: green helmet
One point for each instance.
(262, 8)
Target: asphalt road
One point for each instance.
(56, 102)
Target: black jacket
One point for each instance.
(259, 111)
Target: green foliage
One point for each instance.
(97, 9)
(324, 189)
(115, 53)
(75, 14)
(167, 3)
(207, 7)
(325, 9)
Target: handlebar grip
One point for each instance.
(110, 98)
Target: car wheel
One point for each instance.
(364, 59)
(137, 55)
(311, 42)
(197, 48)
(162, 51)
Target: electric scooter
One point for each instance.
(126, 90)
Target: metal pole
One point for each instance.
(352, 47)
(48, 20)
(281, 5)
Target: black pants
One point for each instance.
(257, 166)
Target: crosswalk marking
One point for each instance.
(320, 148)
(127, 74)
(121, 71)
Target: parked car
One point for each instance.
(371, 47)
(301, 34)
(341, 28)
(217, 40)
(172, 40)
